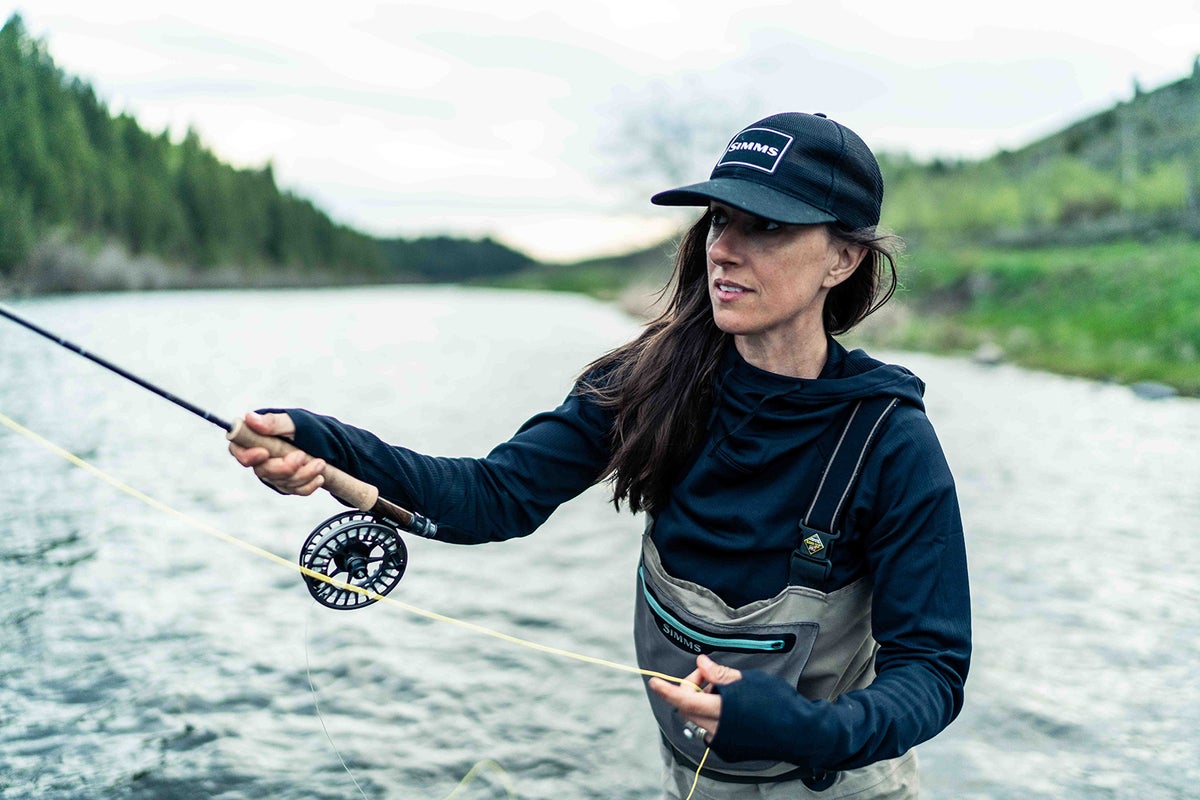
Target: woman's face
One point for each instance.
(768, 280)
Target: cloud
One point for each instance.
(394, 116)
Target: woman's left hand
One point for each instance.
(703, 708)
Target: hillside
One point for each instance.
(90, 200)
(1131, 170)
(1078, 253)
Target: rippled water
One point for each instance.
(141, 658)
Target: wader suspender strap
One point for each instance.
(821, 525)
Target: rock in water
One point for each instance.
(1151, 390)
(988, 353)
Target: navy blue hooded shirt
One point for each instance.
(731, 525)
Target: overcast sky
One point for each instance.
(535, 121)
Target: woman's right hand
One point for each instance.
(296, 473)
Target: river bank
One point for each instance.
(1125, 311)
(57, 266)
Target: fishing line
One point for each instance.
(486, 763)
(699, 769)
(317, 705)
(466, 780)
(364, 545)
(320, 577)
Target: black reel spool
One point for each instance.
(357, 549)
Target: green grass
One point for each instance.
(1127, 311)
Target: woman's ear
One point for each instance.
(849, 256)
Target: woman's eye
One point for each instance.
(722, 217)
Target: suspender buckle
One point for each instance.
(811, 564)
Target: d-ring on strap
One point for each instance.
(821, 525)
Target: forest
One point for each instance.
(75, 179)
(1076, 253)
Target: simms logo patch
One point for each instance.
(760, 148)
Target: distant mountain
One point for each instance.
(1151, 128)
(91, 200)
(1130, 171)
(445, 258)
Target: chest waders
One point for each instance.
(819, 642)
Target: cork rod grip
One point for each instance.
(345, 487)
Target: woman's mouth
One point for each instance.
(728, 290)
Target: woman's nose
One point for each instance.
(724, 247)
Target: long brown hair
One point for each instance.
(661, 383)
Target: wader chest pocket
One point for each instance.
(696, 637)
(669, 637)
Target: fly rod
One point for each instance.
(363, 544)
(111, 367)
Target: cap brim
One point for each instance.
(754, 198)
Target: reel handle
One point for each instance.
(342, 485)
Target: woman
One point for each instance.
(803, 560)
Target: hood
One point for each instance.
(759, 415)
(847, 375)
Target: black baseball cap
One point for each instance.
(795, 168)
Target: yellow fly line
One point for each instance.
(215, 532)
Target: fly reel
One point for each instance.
(356, 549)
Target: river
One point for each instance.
(142, 658)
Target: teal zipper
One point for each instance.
(766, 645)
